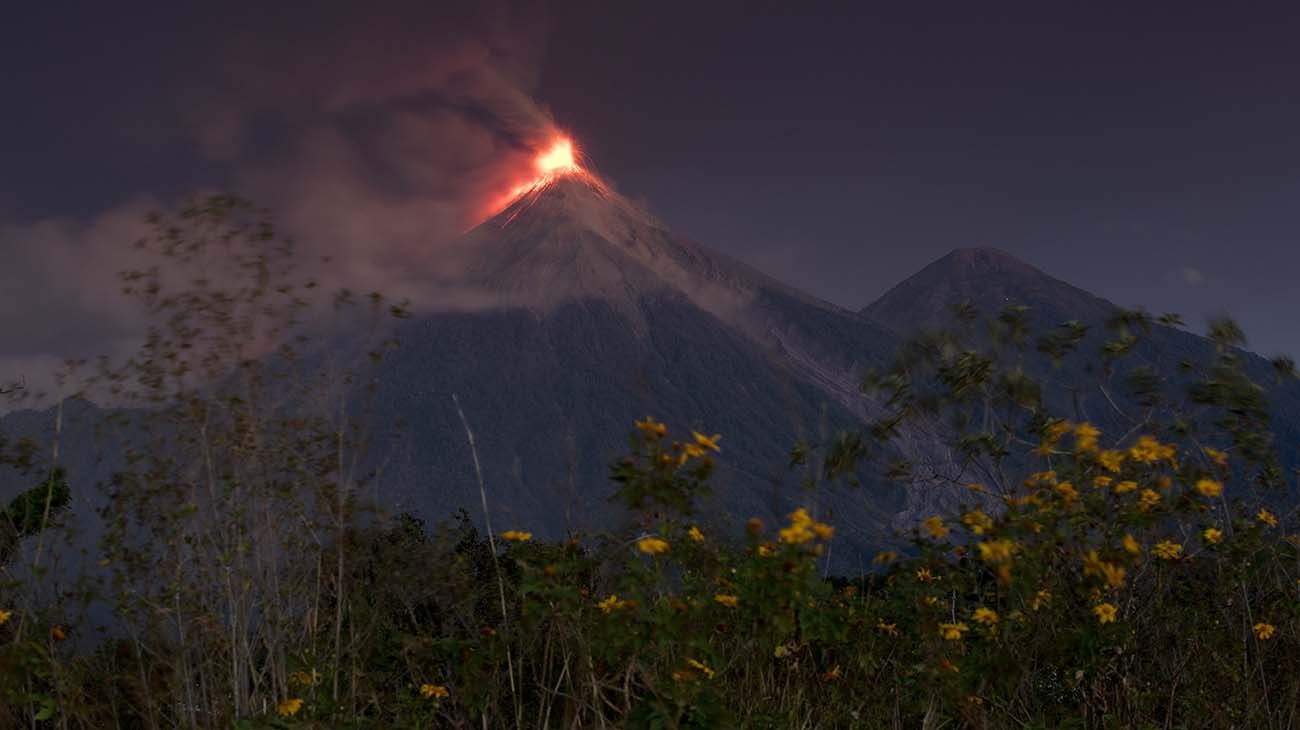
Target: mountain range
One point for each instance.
(590, 313)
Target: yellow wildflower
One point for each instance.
(887, 556)
(693, 451)
(1101, 481)
(832, 675)
(977, 521)
(1147, 450)
(930, 601)
(289, 707)
(1216, 456)
(701, 667)
(1040, 599)
(935, 527)
(651, 428)
(432, 691)
(1131, 545)
(516, 536)
(764, 550)
(652, 545)
(1212, 535)
(694, 534)
(1042, 477)
(5, 616)
(1067, 491)
(986, 616)
(997, 551)
(823, 530)
(781, 651)
(611, 603)
(1125, 487)
(1264, 631)
(1110, 460)
(1149, 499)
(1266, 517)
(1106, 612)
(1085, 437)
(953, 632)
(1113, 574)
(726, 600)
(307, 679)
(1167, 550)
(1209, 487)
(1057, 430)
(924, 575)
(708, 442)
(891, 629)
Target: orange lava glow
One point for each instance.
(558, 159)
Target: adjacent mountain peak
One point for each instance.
(989, 278)
(979, 260)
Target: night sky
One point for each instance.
(1146, 152)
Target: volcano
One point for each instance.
(600, 315)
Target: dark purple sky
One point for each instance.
(1145, 151)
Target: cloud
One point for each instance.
(373, 137)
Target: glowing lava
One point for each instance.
(558, 159)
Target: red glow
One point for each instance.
(558, 159)
(555, 160)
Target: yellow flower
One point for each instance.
(516, 536)
(611, 603)
(57, 634)
(1212, 535)
(1042, 598)
(795, 534)
(652, 545)
(764, 550)
(1265, 631)
(307, 679)
(1042, 477)
(1216, 456)
(1147, 450)
(289, 707)
(5, 616)
(887, 556)
(1057, 430)
(1067, 491)
(1149, 499)
(1110, 460)
(1113, 574)
(1101, 481)
(891, 629)
(930, 600)
(694, 534)
(1131, 545)
(1125, 487)
(977, 521)
(1209, 487)
(986, 616)
(832, 675)
(823, 530)
(726, 600)
(1266, 517)
(781, 652)
(1105, 612)
(431, 691)
(924, 575)
(693, 451)
(997, 551)
(652, 428)
(1085, 437)
(701, 667)
(708, 442)
(953, 632)
(1167, 550)
(935, 527)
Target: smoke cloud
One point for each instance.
(372, 137)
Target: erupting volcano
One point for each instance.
(557, 160)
